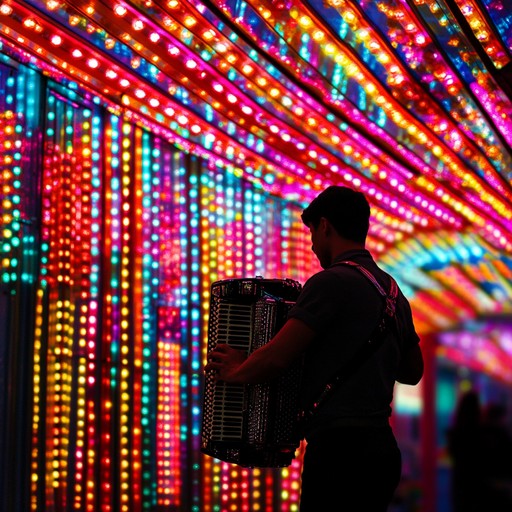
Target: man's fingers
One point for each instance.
(216, 357)
(218, 350)
(220, 353)
(213, 365)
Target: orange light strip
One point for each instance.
(169, 478)
(484, 32)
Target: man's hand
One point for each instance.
(266, 362)
(225, 360)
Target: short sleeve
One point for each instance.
(317, 301)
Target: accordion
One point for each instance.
(252, 425)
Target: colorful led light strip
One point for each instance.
(488, 198)
(484, 32)
(11, 198)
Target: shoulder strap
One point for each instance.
(393, 291)
(372, 344)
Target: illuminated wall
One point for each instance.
(111, 238)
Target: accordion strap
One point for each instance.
(389, 297)
(375, 340)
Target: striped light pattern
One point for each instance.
(133, 232)
(406, 101)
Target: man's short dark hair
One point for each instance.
(346, 209)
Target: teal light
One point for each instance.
(269, 178)
(446, 397)
(304, 51)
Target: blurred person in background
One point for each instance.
(480, 447)
(465, 447)
(497, 459)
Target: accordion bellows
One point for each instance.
(251, 425)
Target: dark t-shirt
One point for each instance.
(343, 307)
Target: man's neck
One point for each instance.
(342, 245)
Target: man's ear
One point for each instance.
(325, 225)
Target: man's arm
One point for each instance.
(410, 370)
(263, 364)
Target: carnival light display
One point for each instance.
(150, 148)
